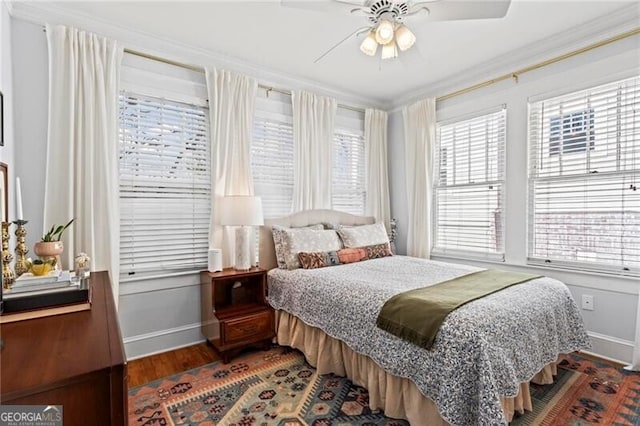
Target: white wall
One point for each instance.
(612, 323)
(7, 152)
(30, 65)
(397, 180)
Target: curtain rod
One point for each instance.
(201, 70)
(516, 74)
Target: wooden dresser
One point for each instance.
(76, 360)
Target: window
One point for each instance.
(272, 153)
(469, 187)
(272, 157)
(571, 132)
(165, 185)
(272, 165)
(584, 165)
(348, 190)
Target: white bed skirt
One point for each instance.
(396, 396)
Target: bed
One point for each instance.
(485, 354)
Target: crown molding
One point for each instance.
(41, 13)
(619, 21)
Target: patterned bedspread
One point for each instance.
(484, 349)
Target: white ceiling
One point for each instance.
(288, 40)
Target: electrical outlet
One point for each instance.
(587, 302)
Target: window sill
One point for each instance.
(580, 278)
(582, 269)
(155, 276)
(497, 259)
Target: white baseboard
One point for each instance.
(147, 344)
(610, 348)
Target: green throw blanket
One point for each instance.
(416, 315)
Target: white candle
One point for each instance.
(18, 199)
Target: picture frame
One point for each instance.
(1, 119)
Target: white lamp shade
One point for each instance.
(241, 210)
(389, 50)
(369, 45)
(405, 38)
(384, 31)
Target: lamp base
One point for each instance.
(243, 248)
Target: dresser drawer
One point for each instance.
(255, 326)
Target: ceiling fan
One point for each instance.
(385, 18)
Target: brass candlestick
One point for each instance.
(21, 248)
(8, 277)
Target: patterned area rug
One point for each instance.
(584, 393)
(278, 387)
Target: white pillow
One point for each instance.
(307, 240)
(365, 235)
(281, 244)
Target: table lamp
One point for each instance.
(243, 211)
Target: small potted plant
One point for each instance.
(50, 247)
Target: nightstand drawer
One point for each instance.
(256, 326)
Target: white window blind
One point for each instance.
(272, 165)
(584, 165)
(272, 157)
(469, 187)
(165, 187)
(348, 174)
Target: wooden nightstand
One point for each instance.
(237, 299)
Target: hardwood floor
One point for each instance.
(154, 367)
(598, 359)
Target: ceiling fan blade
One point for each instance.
(450, 10)
(327, 6)
(359, 3)
(332, 48)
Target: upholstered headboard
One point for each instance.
(296, 220)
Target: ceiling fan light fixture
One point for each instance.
(384, 31)
(369, 45)
(405, 38)
(389, 50)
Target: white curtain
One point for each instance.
(313, 119)
(82, 148)
(231, 106)
(375, 145)
(635, 361)
(419, 131)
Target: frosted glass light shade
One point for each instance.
(369, 45)
(389, 51)
(384, 31)
(405, 38)
(241, 210)
(243, 248)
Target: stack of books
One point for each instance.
(38, 296)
